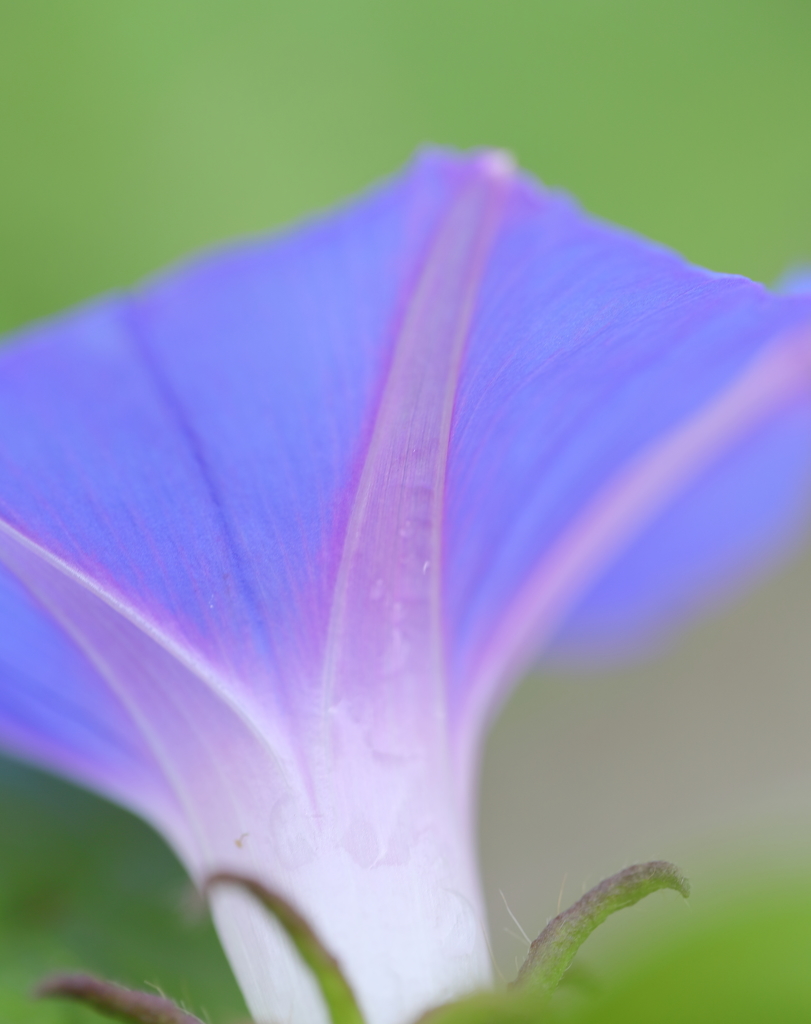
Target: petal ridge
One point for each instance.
(776, 378)
(387, 593)
(202, 674)
(176, 415)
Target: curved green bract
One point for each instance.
(115, 1001)
(555, 948)
(338, 995)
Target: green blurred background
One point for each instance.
(133, 133)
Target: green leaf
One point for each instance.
(742, 955)
(85, 886)
(489, 1008)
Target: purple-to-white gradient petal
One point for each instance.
(278, 531)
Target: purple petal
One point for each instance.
(278, 530)
(55, 709)
(614, 401)
(176, 491)
(193, 447)
(796, 281)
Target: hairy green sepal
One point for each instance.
(114, 1000)
(549, 957)
(555, 948)
(338, 995)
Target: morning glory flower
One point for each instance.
(279, 530)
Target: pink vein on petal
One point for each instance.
(779, 375)
(385, 630)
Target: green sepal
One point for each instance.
(338, 995)
(113, 1000)
(555, 948)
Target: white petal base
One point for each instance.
(407, 941)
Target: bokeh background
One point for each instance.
(133, 133)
